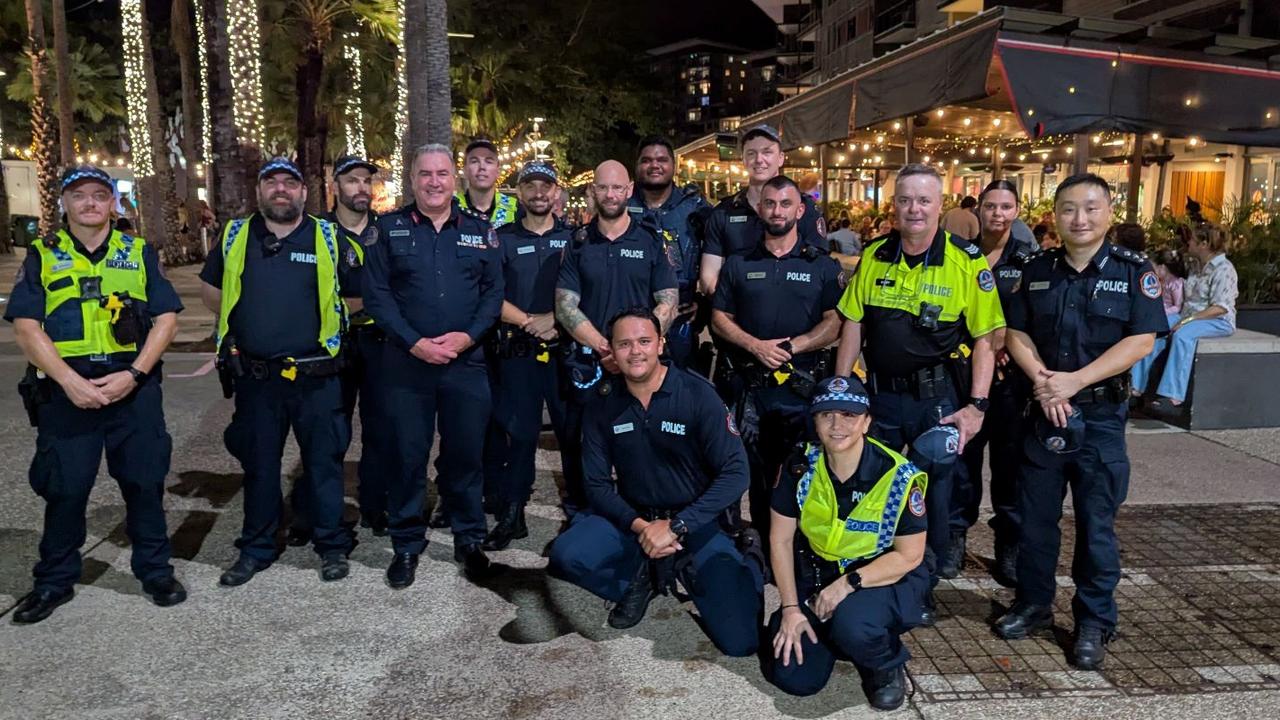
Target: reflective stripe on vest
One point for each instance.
(333, 311)
(504, 210)
(869, 529)
(80, 327)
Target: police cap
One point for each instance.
(535, 170)
(347, 163)
(85, 173)
(279, 165)
(844, 394)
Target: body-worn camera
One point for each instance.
(928, 317)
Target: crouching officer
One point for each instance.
(776, 309)
(275, 283)
(679, 214)
(527, 345)
(362, 348)
(680, 465)
(1083, 315)
(925, 303)
(93, 312)
(434, 282)
(851, 579)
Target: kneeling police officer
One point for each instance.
(93, 313)
(847, 542)
(680, 465)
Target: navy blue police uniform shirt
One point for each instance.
(775, 297)
(734, 227)
(421, 282)
(1008, 268)
(278, 314)
(684, 245)
(682, 454)
(611, 276)
(28, 298)
(352, 275)
(531, 265)
(1074, 317)
(873, 465)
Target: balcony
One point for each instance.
(895, 22)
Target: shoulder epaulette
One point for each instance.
(1127, 255)
(968, 246)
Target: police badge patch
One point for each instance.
(986, 281)
(370, 235)
(842, 279)
(352, 260)
(838, 385)
(822, 225)
(492, 238)
(916, 502)
(1150, 284)
(729, 422)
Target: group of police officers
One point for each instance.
(464, 314)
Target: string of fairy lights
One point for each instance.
(135, 87)
(354, 118)
(396, 164)
(245, 46)
(206, 126)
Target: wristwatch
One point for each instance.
(678, 528)
(981, 403)
(138, 375)
(854, 580)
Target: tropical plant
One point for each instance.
(44, 133)
(97, 87)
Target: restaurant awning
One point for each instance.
(1059, 74)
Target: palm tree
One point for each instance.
(184, 45)
(62, 68)
(165, 195)
(426, 57)
(44, 133)
(235, 161)
(97, 88)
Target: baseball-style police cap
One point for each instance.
(1062, 440)
(761, 130)
(845, 394)
(85, 173)
(537, 170)
(480, 143)
(347, 163)
(279, 165)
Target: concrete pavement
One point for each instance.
(1198, 605)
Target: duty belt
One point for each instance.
(924, 383)
(289, 368)
(1114, 390)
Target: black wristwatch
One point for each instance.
(138, 375)
(982, 404)
(854, 580)
(678, 528)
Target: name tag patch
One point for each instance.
(398, 233)
(525, 249)
(757, 275)
(673, 428)
(122, 264)
(738, 218)
(60, 266)
(1039, 285)
(623, 428)
(299, 257)
(885, 282)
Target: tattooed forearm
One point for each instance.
(567, 311)
(667, 301)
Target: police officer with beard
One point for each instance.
(680, 215)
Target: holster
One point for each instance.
(960, 367)
(664, 572)
(230, 365)
(34, 391)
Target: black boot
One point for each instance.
(929, 615)
(510, 526)
(953, 563)
(402, 571)
(40, 604)
(375, 521)
(165, 591)
(631, 608)
(1091, 647)
(475, 564)
(1005, 571)
(334, 566)
(888, 688)
(1022, 620)
(440, 516)
(242, 571)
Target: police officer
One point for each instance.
(1006, 244)
(611, 264)
(1082, 316)
(776, 308)
(849, 525)
(925, 303)
(93, 312)
(680, 214)
(352, 216)
(275, 281)
(679, 465)
(734, 227)
(434, 282)
(527, 347)
(481, 168)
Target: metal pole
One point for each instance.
(822, 170)
(1135, 179)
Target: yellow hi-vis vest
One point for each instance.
(870, 527)
(80, 327)
(333, 311)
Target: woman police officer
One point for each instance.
(851, 580)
